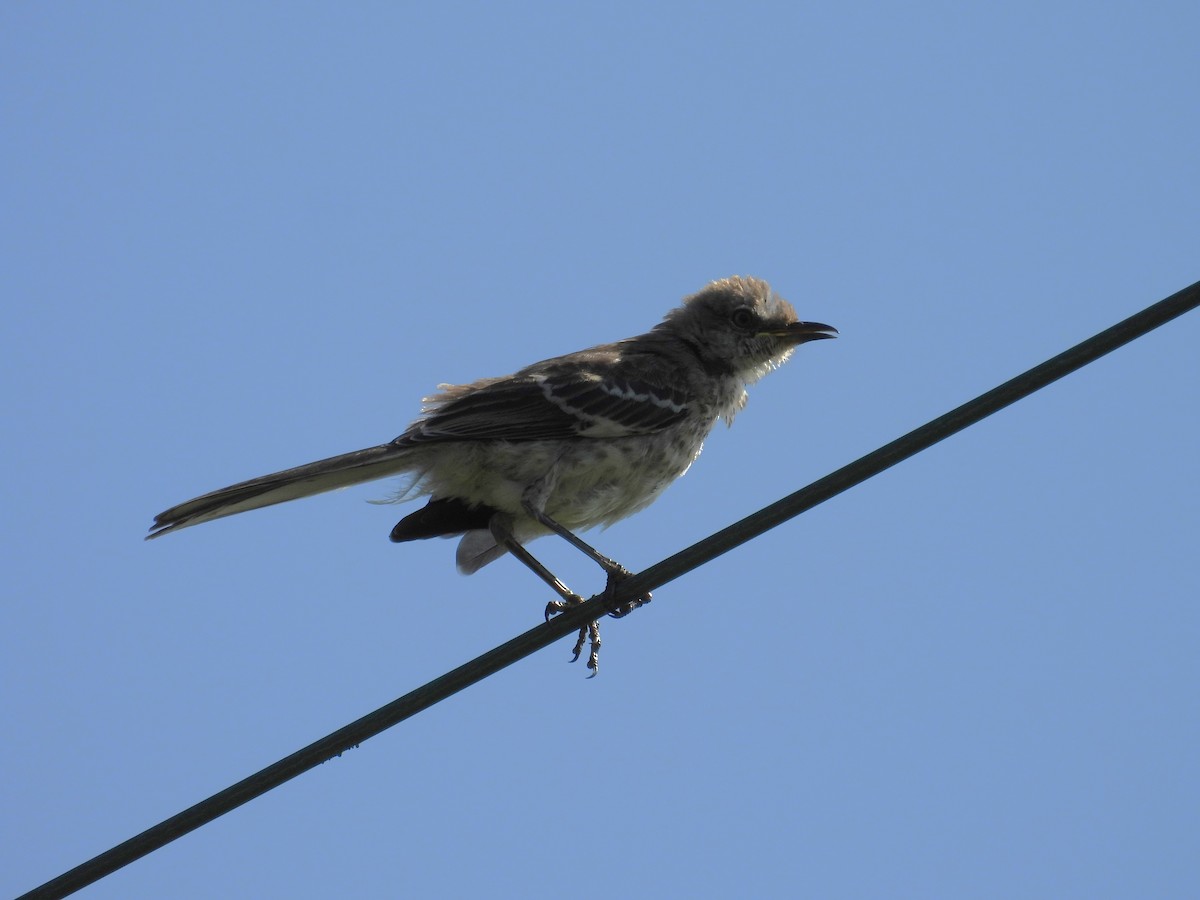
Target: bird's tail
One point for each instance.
(290, 484)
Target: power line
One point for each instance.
(649, 579)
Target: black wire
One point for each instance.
(657, 575)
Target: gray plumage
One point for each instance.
(564, 444)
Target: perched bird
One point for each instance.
(568, 443)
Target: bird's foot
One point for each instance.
(554, 607)
(589, 633)
(615, 576)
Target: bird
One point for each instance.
(562, 445)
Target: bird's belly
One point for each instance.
(601, 482)
(578, 483)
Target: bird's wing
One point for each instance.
(562, 400)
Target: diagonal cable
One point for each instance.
(654, 577)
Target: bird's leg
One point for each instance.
(504, 537)
(613, 569)
(568, 598)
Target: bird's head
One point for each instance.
(740, 326)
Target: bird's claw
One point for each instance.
(615, 577)
(554, 607)
(589, 633)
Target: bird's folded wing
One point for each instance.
(557, 404)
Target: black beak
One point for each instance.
(802, 332)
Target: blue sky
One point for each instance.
(240, 237)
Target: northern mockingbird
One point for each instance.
(568, 443)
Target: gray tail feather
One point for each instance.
(290, 484)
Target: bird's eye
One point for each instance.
(743, 318)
